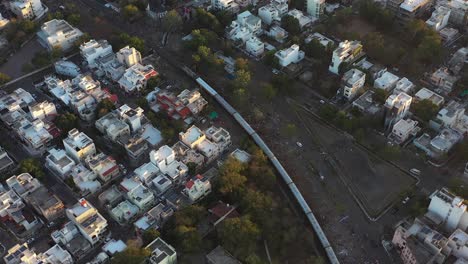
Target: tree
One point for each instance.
(375, 44)
(461, 150)
(291, 24)
(74, 19)
(192, 168)
(424, 109)
(242, 79)
(269, 91)
(33, 167)
(207, 20)
(256, 204)
(126, 40)
(150, 235)
(242, 64)
(66, 122)
(104, 107)
(271, 60)
(283, 84)
(172, 21)
(153, 82)
(4, 78)
(316, 260)
(289, 129)
(131, 255)
(380, 96)
(315, 49)
(239, 236)
(130, 12)
(328, 112)
(231, 180)
(429, 50)
(254, 259)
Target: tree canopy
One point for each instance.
(291, 25)
(239, 235)
(33, 167)
(4, 78)
(66, 122)
(172, 21)
(424, 109)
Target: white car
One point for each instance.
(405, 200)
(415, 171)
(299, 144)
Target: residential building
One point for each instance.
(452, 114)
(78, 145)
(443, 80)
(132, 116)
(315, 8)
(12, 209)
(426, 94)
(386, 82)
(59, 162)
(56, 255)
(397, 107)
(352, 83)
(110, 67)
(458, 59)
(6, 163)
(411, 9)
(155, 217)
(448, 34)
(129, 56)
(112, 126)
(146, 173)
(138, 194)
(277, 33)
(3, 21)
(35, 135)
(162, 183)
(124, 212)
(164, 159)
(134, 79)
(250, 21)
(85, 180)
(23, 184)
(104, 166)
(197, 188)
(66, 68)
(403, 130)
(324, 41)
(254, 46)
(289, 55)
(244, 27)
(111, 197)
(188, 155)
(241, 155)
(161, 252)
(458, 12)
(404, 85)
(439, 18)
(273, 11)
(21, 254)
(192, 137)
(219, 136)
(448, 210)
(366, 104)
(88, 220)
(440, 145)
(45, 203)
(27, 9)
(71, 238)
(228, 5)
(348, 52)
(304, 20)
(181, 106)
(137, 148)
(220, 256)
(58, 34)
(92, 50)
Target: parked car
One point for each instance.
(415, 171)
(299, 144)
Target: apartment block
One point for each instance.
(347, 51)
(78, 145)
(58, 34)
(352, 83)
(91, 224)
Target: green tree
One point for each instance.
(257, 204)
(424, 109)
(130, 12)
(315, 49)
(283, 84)
(271, 60)
(231, 180)
(205, 19)
(242, 79)
(269, 91)
(4, 78)
(254, 259)
(328, 112)
(104, 107)
(291, 24)
(242, 64)
(461, 150)
(375, 44)
(66, 122)
(150, 235)
(124, 39)
(316, 260)
(380, 96)
(239, 236)
(192, 168)
(171, 22)
(430, 49)
(33, 167)
(74, 19)
(131, 254)
(153, 82)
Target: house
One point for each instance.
(137, 193)
(155, 217)
(78, 145)
(192, 137)
(448, 34)
(59, 162)
(162, 183)
(41, 110)
(129, 56)
(386, 82)
(348, 52)
(397, 107)
(439, 18)
(411, 9)
(448, 210)
(104, 166)
(164, 159)
(404, 85)
(85, 180)
(92, 50)
(290, 55)
(443, 80)
(440, 145)
(458, 59)
(71, 238)
(197, 188)
(244, 27)
(351, 83)
(221, 211)
(134, 79)
(132, 116)
(304, 20)
(3, 21)
(315, 8)
(241, 155)
(58, 34)
(426, 94)
(110, 67)
(23, 184)
(111, 197)
(146, 173)
(6, 162)
(12, 209)
(365, 103)
(124, 212)
(112, 126)
(324, 41)
(273, 11)
(453, 116)
(46, 203)
(27, 9)
(227, 5)
(250, 21)
(254, 46)
(161, 252)
(277, 33)
(219, 136)
(220, 256)
(137, 148)
(196, 139)
(35, 135)
(183, 105)
(88, 220)
(458, 12)
(22, 254)
(403, 130)
(66, 68)
(114, 246)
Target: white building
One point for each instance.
(164, 159)
(254, 46)
(66, 68)
(352, 82)
(161, 252)
(78, 145)
(303, 19)
(28, 9)
(347, 51)
(22, 254)
(228, 5)
(386, 82)
(85, 179)
(426, 94)
(453, 116)
(397, 107)
(42, 110)
(220, 136)
(244, 27)
(138, 194)
(315, 8)
(134, 79)
(404, 85)
(92, 50)
(60, 162)
(403, 129)
(197, 188)
(250, 21)
(58, 34)
(273, 11)
(132, 116)
(3, 21)
(112, 126)
(290, 55)
(89, 221)
(103, 165)
(443, 79)
(124, 212)
(129, 56)
(448, 210)
(324, 41)
(439, 18)
(277, 33)
(34, 134)
(162, 183)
